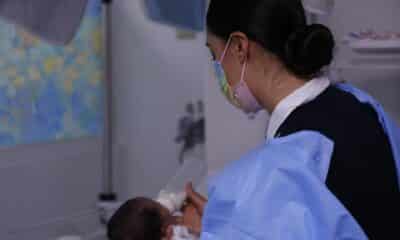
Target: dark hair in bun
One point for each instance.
(280, 27)
(309, 49)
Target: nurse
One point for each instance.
(268, 58)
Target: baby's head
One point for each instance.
(139, 219)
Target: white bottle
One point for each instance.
(193, 170)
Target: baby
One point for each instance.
(146, 219)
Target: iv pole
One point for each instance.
(107, 193)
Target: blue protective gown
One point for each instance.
(278, 190)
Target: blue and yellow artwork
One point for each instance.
(50, 92)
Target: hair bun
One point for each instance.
(309, 49)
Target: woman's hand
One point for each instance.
(193, 211)
(192, 219)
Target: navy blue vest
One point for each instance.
(362, 172)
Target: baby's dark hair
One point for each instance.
(136, 220)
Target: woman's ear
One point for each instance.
(240, 45)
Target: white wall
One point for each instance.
(155, 75)
(46, 188)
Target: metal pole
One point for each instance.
(108, 188)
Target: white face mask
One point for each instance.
(239, 95)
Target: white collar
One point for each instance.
(304, 94)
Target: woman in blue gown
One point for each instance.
(329, 166)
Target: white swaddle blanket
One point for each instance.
(174, 202)
(53, 20)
